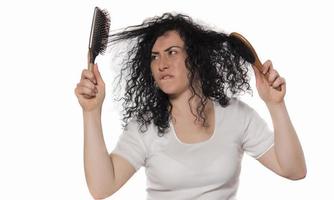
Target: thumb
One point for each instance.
(97, 74)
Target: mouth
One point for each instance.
(166, 77)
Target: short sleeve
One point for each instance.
(257, 137)
(130, 146)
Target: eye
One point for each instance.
(154, 57)
(172, 52)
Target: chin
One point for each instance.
(172, 91)
(168, 91)
(172, 87)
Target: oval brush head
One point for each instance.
(246, 51)
(98, 39)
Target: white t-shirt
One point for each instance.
(207, 170)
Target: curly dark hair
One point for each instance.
(211, 60)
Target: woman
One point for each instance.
(183, 122)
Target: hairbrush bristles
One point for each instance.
(246, 51)
(241, 48)
(98, 39)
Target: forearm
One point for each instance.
(287, 146)
(97, 162)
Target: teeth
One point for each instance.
(166, 77)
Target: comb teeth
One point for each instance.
(99, 33)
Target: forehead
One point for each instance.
(168, 39)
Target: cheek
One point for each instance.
(184, 73)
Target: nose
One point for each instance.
(162, 63)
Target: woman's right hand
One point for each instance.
(90, 91)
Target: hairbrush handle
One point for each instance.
(90, 64)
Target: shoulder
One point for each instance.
(133, 129)
(238, 106)
(237, 113)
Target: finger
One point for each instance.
(278, 82)
(87, 83)
(86, 74)
(272, 76)
(283, 86)
(88, 96)
(85, 91)
(267, 67)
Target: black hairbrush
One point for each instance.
(98, 39)
(246, 50)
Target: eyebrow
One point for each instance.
(154, 52)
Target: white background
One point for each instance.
(43, 51)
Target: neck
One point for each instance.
(183, 108)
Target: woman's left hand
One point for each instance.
(270, 85)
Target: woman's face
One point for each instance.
(168, 64)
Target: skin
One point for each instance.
(107, 173)
(285, 158)
(168, 57)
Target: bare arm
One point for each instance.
(99, 170)
(105, 173)
(288, 150)
(286, 157)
